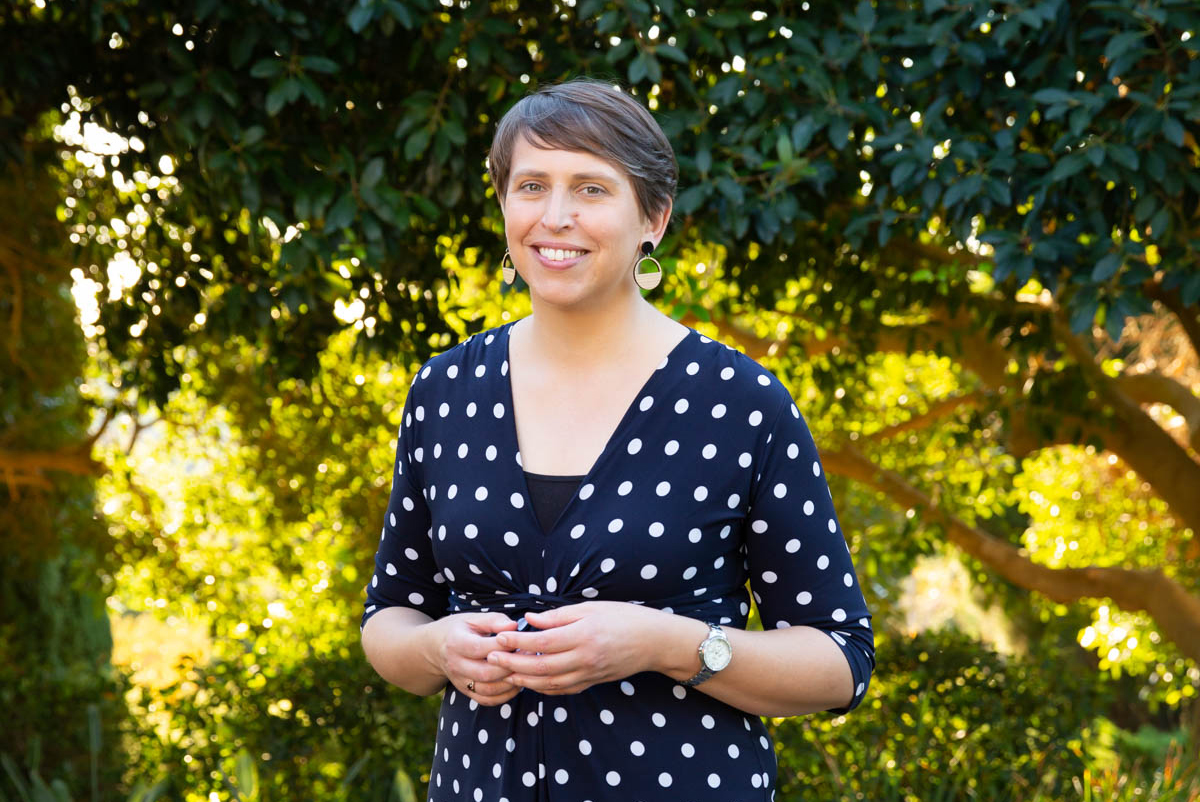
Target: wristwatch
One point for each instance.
(715, 654)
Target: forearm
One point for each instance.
(403, 646)
(782, 672)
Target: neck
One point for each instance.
(590, 336)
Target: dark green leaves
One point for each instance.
(267, 68)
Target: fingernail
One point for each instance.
(503, 641)
(491, 658)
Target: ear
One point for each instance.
(656, 226)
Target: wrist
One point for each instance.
(678, 647)
(432, 647)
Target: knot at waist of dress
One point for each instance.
(724, 608)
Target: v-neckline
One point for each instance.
(613, 436)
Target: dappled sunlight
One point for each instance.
(939, 593)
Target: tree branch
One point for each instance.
(1154, 388)
(1188, 318)
(936, 411)
(1174, 610)
(28, 466)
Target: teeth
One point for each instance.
(558, 254)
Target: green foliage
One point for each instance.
(292, 193)
(58, 694)
(951, 720)
(1063, 137)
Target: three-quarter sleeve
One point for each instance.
(800, 568)
(405, 573)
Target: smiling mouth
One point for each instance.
(559, 254)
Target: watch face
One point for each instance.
(717, 654)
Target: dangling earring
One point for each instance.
(650, 279)
(509, 270)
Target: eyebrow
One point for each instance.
(575, 177)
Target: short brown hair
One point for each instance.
(585, 114)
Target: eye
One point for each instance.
(592, 189)
(530, 186)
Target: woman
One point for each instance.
(579, 498)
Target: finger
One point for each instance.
(557, 617)
(571, 682)
(477, 670)
(534, 664)
(498, 699)
(473, 645)
(489, 623)
(554, 640)
(485, 690)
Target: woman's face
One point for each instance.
(573, 225)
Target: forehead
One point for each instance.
(528, 158)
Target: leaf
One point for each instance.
(839, 132)
(243, 45)
(803, 132)
(653, 68)
(1160, 222)
(1114, 321)
(731, 189)
(454, 132)
(252, 136)
(902, 171)
(691, 198)
(1124, 155)
(704, 161)
(247, 775)
(203, 110)
(1084, 315)
(319, 64)
(401, 14)
(359, 17)
(416, 143)
(783, 146)
(1121, 44)
(267, 68)
(1068, 166)
(342, 213)
(277, 98)
(1189, 292)
(1173, 130)
(372, 172)
(1107, 267)
(671, 52)
(637, 69)
(864, 16)
(1052, 95)
(998, 191)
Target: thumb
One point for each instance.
(556, 617)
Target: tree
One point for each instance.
(1002, 189)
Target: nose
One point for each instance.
(559, 210)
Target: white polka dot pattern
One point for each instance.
(710, 479)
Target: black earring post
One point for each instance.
(647, 248)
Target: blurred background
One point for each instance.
(965, 234)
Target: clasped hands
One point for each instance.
(579, 645)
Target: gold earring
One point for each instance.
(510, 271)
(650, 279)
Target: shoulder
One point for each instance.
(481, 355)
(739, 378)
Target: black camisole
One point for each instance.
(549, 495)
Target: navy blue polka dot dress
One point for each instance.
(710, 479)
